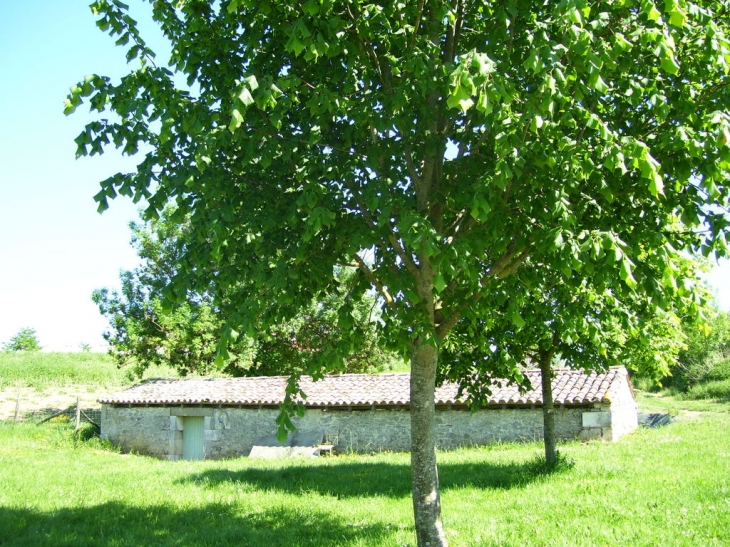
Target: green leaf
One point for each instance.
(281, 433)
(574, 16)
(439, 282)
(559, 242)
(516, 318)
(537, 123)
(236, 120)
(533, 62)
(649, 170)
(622, 42)
(484, 105)
(626, 273)
(68, 107)
(245, 97)
(460, 99)
(483, 64)
(669, 64)
(656, 185)
(677, 17)
(310, 7)
(649, 8)
(295, 45)
(103, 205)
(596, 82)
(252, 82)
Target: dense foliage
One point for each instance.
(444, 148)
(146, 330)
(705, 357)
(609, 331)
(25, 340)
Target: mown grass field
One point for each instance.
(668, 486)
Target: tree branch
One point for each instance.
(364, 268)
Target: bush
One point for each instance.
(25, 340)
(646, 384)
(718, 389)
(720, 371)
(707, 348)
(709, 380)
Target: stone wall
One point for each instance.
(145, 430)
(612, 420)
(624, 411)
(231, 432)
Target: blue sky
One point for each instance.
(55, 249)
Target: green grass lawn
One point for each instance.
(668, 486)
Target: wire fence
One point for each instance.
(75, 413)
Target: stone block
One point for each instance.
(596, 419)
(188, 411)
(211, 435)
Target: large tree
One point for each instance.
(146, 329)
(436, 145)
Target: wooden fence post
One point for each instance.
(17, 408)
(78, 414)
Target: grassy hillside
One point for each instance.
(668, 486)
(42, 370)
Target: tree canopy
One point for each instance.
(570, 326)
(25, 340)
(444, 148)
(147, 330)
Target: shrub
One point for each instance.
(720, 371)
(717, 389)
(25, 340)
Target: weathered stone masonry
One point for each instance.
(231, 432)
(358, 413)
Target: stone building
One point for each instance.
(199, 418)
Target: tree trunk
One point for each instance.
(424, 474)
(548, 410)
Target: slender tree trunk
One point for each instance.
(548, 409)
(424, 474)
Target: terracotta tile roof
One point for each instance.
(569, 387)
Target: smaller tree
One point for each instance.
(573, 324)
(25, 340)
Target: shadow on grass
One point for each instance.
(119, 525)
(356, 479)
